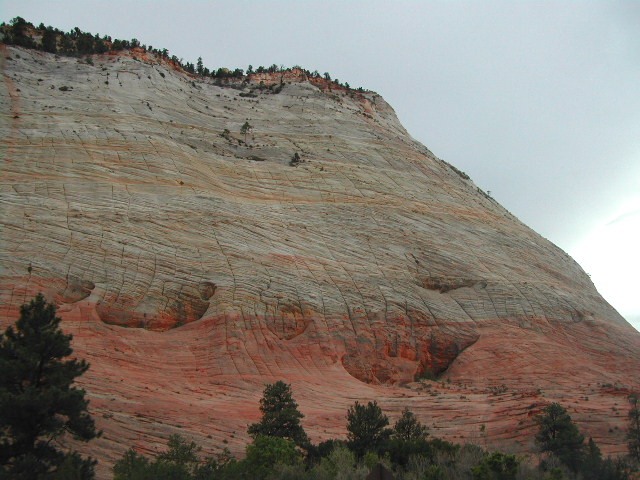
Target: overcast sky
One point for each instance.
(539, 102)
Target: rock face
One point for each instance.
(194, 263)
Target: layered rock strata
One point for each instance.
(194, 263)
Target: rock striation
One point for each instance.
(194, 263)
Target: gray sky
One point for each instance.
(539, 102)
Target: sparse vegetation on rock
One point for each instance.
(245, 129)
(295, 160)
(78, 43)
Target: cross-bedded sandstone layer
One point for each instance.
(194, 264)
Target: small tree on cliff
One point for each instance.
(200, 66)
(37, 401)
(280, 415)
(245, 129)
(559, 435)
(295, 160)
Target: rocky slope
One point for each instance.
(193, 264)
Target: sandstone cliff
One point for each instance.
(194, 264)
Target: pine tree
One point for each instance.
(280, 415)
(366, 428)
(408, 427)
(19, 34)
(49, 40)
(592, 465)
(38, 403)
(199, 66)
(559, 435)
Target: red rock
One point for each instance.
(191, 274)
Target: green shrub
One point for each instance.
(497, 466)
(266, 452)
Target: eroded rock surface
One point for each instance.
(193, 266)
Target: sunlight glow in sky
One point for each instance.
(610, 255)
